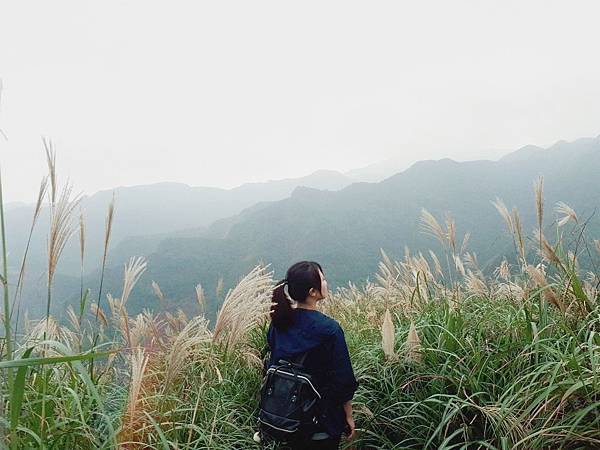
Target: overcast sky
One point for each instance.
(220, 93)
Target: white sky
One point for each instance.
(220, 93)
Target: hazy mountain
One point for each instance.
(523, 154)
(153, 210)
(378, 171)
(381, 170)
(345, 229)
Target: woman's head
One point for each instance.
(304, 281)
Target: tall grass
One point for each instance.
(447, 357)
(7, 347)
(47, 387)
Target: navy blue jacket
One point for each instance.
(328, 361)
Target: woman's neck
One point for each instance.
(308, 304)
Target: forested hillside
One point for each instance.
(345, 230)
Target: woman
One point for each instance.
(297, 327)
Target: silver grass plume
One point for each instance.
(388, 336)
(430, 225)
(157, 291)
(201, 298)
(412, 345)
(538, 189)
(244, 306)
(518, 227)
(567, 213)
(134, 269)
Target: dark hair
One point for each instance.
(299, 279)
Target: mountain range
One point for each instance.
(330, 219)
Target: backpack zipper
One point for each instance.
(271, 370)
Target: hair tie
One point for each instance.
(286, 292)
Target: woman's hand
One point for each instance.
(349, 419)
(350, 427)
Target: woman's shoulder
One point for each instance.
(329, 325)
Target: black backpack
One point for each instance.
(288, 402)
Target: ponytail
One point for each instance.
(300, 278)
(281, 313)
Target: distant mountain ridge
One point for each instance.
(378, 171)
(153, 209)
(144, 215)
(343, 226)
(345, 229)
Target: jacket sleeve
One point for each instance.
(342, 383)
(268, 351)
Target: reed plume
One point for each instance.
(538, 188)
(519, 233)
(567, 213)
(182, 346)
(465, 243)
(81, 238)
(539, 278)
(505, 214)
(98, 313)
(108, 222)
(436, 264)
(451, 232)
(158, 292)
(503, 270)
(61, 225)
(431, 226)
(219, 288)
(134, 269)
(51, 161)
(244, 306)
(412, 345)
(388, 336)
(201, 298)
(133, 415)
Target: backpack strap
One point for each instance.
(299, 359)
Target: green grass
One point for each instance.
(496, 371)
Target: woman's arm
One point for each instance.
(267, 351)
(349, 418)
(342, 380)
(348, 408)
